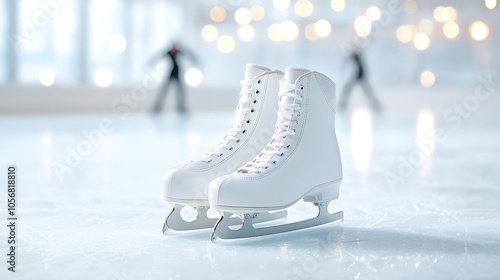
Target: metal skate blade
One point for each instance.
(222, 228)
(174, 220)
(262, 218)
(165, 228)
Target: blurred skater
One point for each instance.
(359, 77)
(174, 76)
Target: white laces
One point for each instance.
(238, 121)
(289, 109)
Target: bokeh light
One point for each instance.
(273, 32)
(322, 28)
(47, 77)
(373, 13)
(304, 8)
(310, 33)
(289, 31)
(258, 13)
(427, 78)
(404, 33)
(451, 29)
(362, 26)
(451, 13)
(117, 43)
(209, 33)
(243, 16)
(443, 14)
(479, 30)
(337, 5)
(281, 5)
(490, 4)
(193, 77)
(218, 14)
(421, 41)
(103, 77)
(246, 33)
(438, 14)
(226, 44)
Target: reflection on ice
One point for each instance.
(425, 139)
(426, 126)
(46, 145)
(361, 140)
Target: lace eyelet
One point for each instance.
(248, 121)
(230, 148)
(266, 167)
(244, 131)
(302, 88)
(221, 154)
(287, 146)
(252, 110)
(274, 162)
(238, 141)
(209, 160)
(258, 82)
(255, 101)
(281, 154)
(257, 92)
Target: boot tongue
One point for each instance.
(291, 74)
(253, 71)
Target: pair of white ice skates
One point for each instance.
(281, 148)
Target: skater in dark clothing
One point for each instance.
(173, 77)
(359, 77)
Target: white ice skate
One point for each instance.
(301, 161)
(252, 127)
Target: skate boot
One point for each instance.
(301, 161)
(252, 127)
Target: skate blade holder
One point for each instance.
(203, 219)
(224, 229)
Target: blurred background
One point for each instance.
(80, 55)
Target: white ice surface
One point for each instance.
(103, 220)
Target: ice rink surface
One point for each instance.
(421, 197)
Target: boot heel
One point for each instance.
(325, 192)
